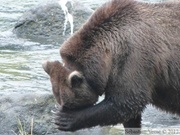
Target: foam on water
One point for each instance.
(6, 34)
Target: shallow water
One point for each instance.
(21, 59)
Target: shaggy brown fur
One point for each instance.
(130, 51)
(69, 87)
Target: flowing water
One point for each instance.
(21, 59)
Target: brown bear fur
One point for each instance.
(69, 88)
(130, 51)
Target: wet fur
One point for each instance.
(130, 51)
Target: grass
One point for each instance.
(21, 128)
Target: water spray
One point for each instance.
(68, 16)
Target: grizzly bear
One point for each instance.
(69, 87)
(129, 51)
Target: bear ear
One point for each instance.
(75, 79)
(46, 67)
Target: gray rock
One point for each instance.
(45, 23)
(38, 106)
(16, 106)
(24, 107)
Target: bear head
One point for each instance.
(70, 88)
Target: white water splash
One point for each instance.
(68, 16)
(7, 33)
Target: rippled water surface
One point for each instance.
(20, 59)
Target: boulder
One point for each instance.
(45, 22)
(23, 108)
(25, 111)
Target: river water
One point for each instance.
(21, 59)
